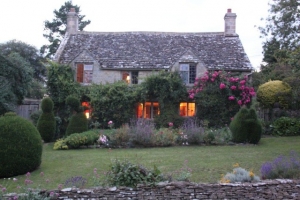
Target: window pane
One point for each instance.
(192, 74)
(147, 110)
(139, 112)
(134, 77)
(184, 67)
(155, 109)
(184, 76)
(126, 77)
(183, 109)
(191, 109)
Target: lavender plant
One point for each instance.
(282, 167)
(192, 132)
(142, 131)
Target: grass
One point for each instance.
(207, 162)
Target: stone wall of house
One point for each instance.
(275, 189)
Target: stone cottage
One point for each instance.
(106, 57)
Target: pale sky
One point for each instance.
(23, 20)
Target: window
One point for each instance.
(87, 109)
(147, 110)
(187, 72)
(187, 109)
(84, 73)
(130, 77)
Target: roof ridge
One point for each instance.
(150, 32)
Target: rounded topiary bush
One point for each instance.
(46, 124)
(73, 103)
(246, 127)
(273, 92)
(78, 122)
(20, 146)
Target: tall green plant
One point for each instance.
(46, 124)
(60, 85)
(112, 102)
(246, 127)
(78, 122)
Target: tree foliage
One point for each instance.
(29, 53)
(15, 79)
(282, 24)
(60, 85)
(55, 30)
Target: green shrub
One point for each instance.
(46, 124)
(119, 137)
(20, 146)
(34, 117)
(73, 103)
(77, 140)
(128, 174)
(78, 124)
(168, 113)
(286, 126)
(245, 127)
(273, 92)
(239, 175)
(164, 137)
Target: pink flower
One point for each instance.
(231, 98)
(27, 174)
(42, 174)
(240, 102)
(110, 122)
(242, 82)
(233, 87)
(170, 124)
(3, 189)
(191, 96)
(222, 86)
(59, 186)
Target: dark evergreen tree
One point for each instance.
(55, 30)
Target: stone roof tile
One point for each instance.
(156, 50)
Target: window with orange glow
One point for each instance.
(147, 110)
(87, 109)
(187, 109)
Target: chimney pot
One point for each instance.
(72, 10)
(229, 10)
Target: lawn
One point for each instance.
(207, 162)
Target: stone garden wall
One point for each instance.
(275, 189)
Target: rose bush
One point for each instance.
(219, 95)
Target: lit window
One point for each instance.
(187, 109)
(130, 77)
(84, 73)
(187, 72)
(86, 108)
(147, 110)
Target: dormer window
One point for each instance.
(84, 73)
(187, 72)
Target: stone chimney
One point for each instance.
(229, 19)
(72, 21)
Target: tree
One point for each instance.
(28, 53)
(15, 79)
(55, 30)
(282, 24)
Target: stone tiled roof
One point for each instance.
(156, 50)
